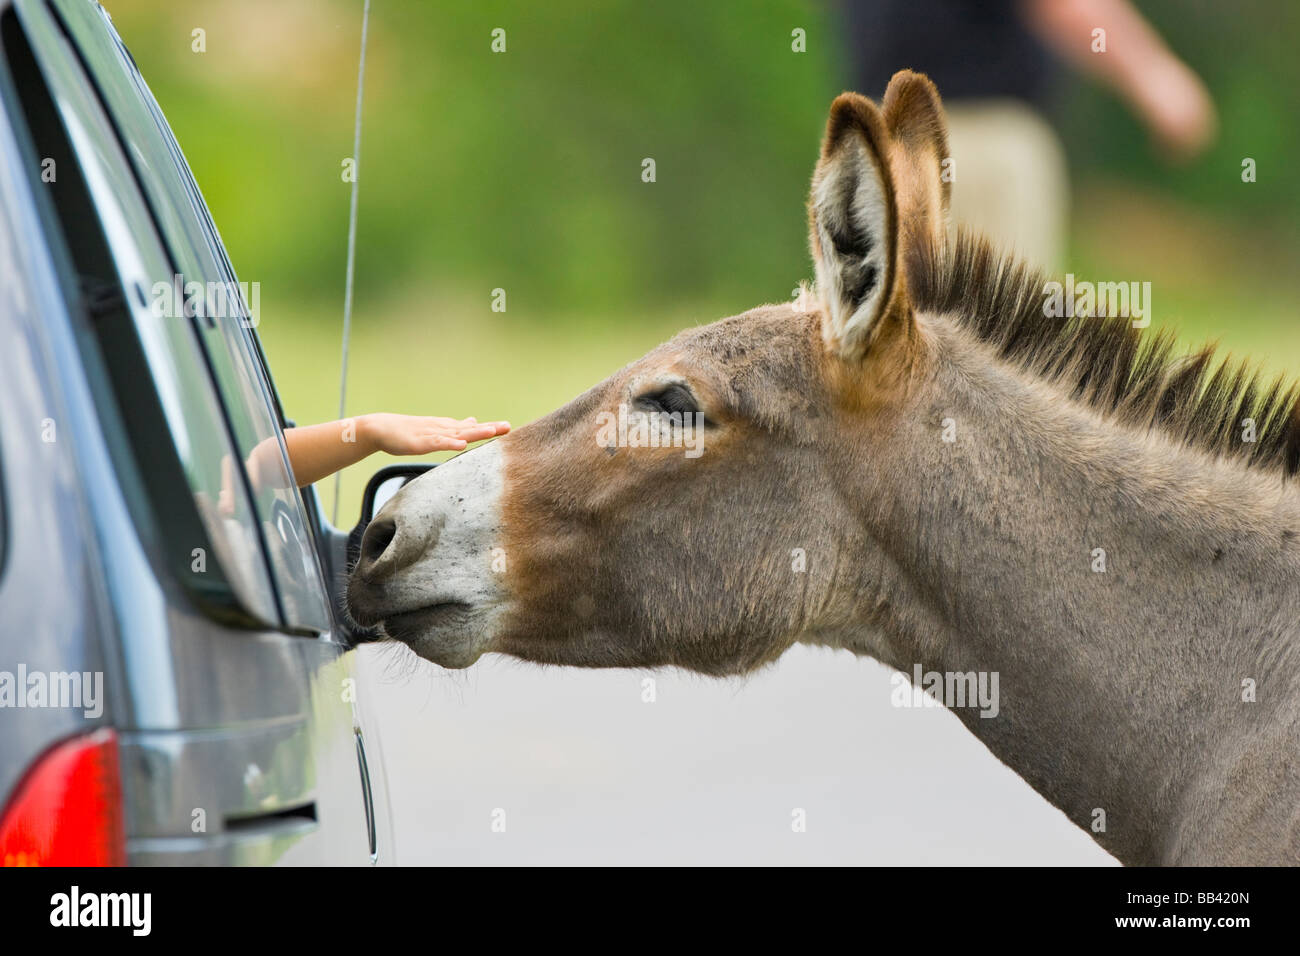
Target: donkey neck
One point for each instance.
(1120, 586)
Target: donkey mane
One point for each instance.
(1102, 361)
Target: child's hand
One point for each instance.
(417, 435)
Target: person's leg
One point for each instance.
(1010, 177)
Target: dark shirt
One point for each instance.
(969, 48)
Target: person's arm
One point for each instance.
(317, 451)
(1163, 90)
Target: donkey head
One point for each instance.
(703, 507)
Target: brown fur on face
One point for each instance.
(781, 388)
(575, 511)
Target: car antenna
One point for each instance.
(352, 243)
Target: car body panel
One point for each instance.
(47, 539)
(238, 745)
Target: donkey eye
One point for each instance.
(674, 399)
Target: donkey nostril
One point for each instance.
(379, 535)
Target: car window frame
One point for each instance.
(108, 188)
(237, 335)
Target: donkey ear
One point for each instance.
(918, 150)
(853, 225)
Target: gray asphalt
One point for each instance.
(579, 769)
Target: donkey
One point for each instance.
(914, 462)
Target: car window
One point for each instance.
(160, 411)
(205, 291)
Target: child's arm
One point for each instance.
(317, 451)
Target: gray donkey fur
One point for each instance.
(977, 487)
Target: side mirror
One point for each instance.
(385, 483)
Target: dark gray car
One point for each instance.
(175, 685)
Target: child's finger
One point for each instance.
(485, 429)
(499, 428)
(473, 434)
(445, 443)
(458, 424)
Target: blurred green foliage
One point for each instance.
(519, 170)
(522, 170)
(1245, 53)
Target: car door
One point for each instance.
(242, 728)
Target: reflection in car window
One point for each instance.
(275, 496)
(154, 380)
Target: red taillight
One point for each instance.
(68, 809)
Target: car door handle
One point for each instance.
(284, 822)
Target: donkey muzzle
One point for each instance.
(430, 568)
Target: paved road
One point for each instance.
(581, 770)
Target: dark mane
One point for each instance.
(1104, 362)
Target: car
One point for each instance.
(176, 685)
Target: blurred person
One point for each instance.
(998, 67)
